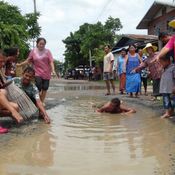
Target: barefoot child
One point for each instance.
(31, 90)
(167, 85)
(114, 106)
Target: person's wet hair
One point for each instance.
(116, 102)
(39, 39)
(29, 70)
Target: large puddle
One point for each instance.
(80, 141)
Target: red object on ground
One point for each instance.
(3, 130)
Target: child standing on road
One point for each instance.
(167, 85)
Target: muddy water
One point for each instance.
(80, 141)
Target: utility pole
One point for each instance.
(90, 58)
(34, 4)
(90, 53)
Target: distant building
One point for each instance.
(157, 18)
(139, 40)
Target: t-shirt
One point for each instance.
(155, 69)
(107, 62)
(167, 81)
(171, 44)
(31, 90)
(121, 65)
(41, 61)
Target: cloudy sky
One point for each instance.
(60, 17)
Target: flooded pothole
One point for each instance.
(80, 141)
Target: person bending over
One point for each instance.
(31, 90)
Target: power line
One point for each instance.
(104, 8)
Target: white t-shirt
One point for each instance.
(107, 62)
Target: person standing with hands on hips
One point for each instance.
(42, 61)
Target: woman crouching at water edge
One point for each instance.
(42, 60)
(114, 106)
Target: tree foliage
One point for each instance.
(16, 29)
(33, 27)
(90, 37)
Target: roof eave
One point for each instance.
(153, 9)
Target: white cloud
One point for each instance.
(60, 17)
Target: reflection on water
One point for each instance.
(60, 87)
(82, 142)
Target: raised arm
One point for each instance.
(23, 63)
(162, 53)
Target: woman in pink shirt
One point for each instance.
(42, 61)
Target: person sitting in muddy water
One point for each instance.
(114, 107)
(7, 108)
(25, 83)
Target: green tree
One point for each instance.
(72, 54)
(33, 27)
(16, 29)
(90, 37)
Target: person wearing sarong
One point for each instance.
(155, 68)
(133, 80)
(121, 71)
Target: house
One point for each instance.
(139, 40)
(157, 17)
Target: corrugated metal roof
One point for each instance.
(139, 40)
(156, 6)
(141, 37)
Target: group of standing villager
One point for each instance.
(133, 68)
(41, 67)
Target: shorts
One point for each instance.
(168, 102)
(108, 76)
(41, 84)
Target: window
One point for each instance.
(163, 10)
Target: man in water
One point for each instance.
(31, 90)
